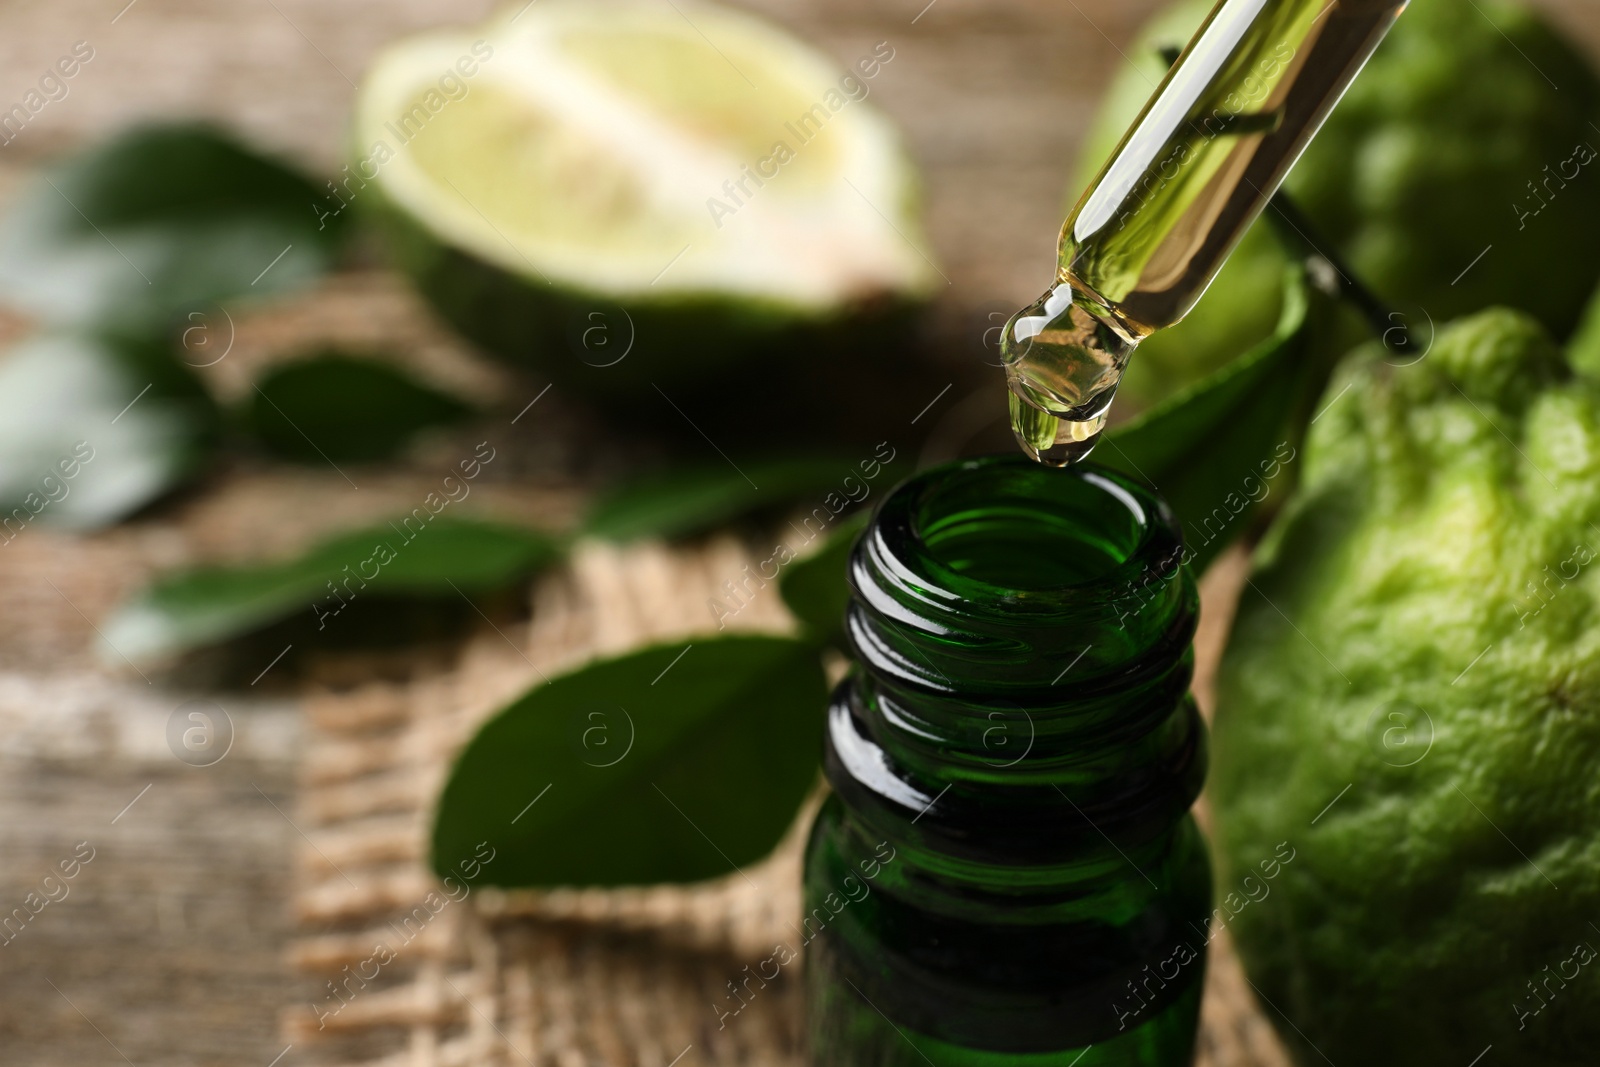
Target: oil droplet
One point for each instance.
(1054, 440)
(1063, 363)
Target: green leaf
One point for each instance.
(815, 588)
(338, 407)
(1583, 350)
(92, 429)
(417, 557)
(1209, 448)
(159, 223)
(684, 502)
(676, 763)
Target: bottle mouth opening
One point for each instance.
(1001, 574)
(1005, 524)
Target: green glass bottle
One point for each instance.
(1007, 871)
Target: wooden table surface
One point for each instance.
(168, 948)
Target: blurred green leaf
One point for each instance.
(159, 223)
(94, 428)
(680, 503)
(816, 589)
(675, 763)
(1205, 448)
(339, 407)
(417, 557)
(1583, 351)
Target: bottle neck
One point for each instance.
(1022, 635)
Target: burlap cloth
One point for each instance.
(566, 978)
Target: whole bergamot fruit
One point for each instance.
(1410, 707)
(1467, 134)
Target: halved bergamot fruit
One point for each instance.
(622, 193)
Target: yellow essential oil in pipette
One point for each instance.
(1195, 170)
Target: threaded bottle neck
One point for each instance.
(1022, 635)
(994, 575)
